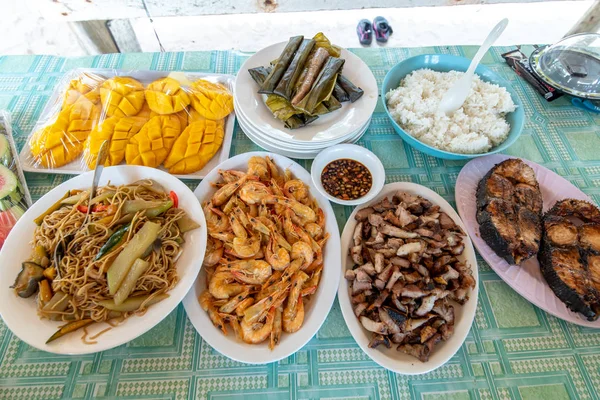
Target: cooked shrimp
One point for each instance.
(257, 166)
(298, 208)
(256, 333)
(302, 250)
(273, 170)
(293, 313)
(277, 256)
(253, 210)
(276, 331)
(254, 272)
(231, 175)
(226, 237)
(244, 304)
(206, 302)
(303, 236)
(216, 221)
(246, 247)
(223, 285)
(289, 230)
(238, 228)
(224, 193)
(297, 190)
(231, 203)
(279, 287)
(313, 229)
(214, 252)
(254, 192)
(235, 301)
(258, 226)
(237, 329)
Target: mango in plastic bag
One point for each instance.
(117, 131)
(62, 141)
(151, 145)
(196, 145)
(122, 96)
(211, 100)
(146, 112)
(183, 116)
(166, 96)
(85, 87)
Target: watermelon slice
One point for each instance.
(8, 219)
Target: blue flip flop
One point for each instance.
(382, 29)
(364, 30)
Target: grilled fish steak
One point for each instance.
(570, 255)
(509, 208)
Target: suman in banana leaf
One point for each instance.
(353, 91)
(323, 87)
(281, 65)
(306, 81)
(286, 85)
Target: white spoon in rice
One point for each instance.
(454, 98)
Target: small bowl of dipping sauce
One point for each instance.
(348, 174)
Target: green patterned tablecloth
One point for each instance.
(514, 350)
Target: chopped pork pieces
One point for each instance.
(406, 273)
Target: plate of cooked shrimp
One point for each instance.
(272, 263)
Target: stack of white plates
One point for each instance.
(345, 125)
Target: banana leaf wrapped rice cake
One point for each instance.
(305, 81)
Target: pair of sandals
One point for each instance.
(380, 26)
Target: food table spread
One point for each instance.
(514, 349)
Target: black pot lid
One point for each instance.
(571, 65)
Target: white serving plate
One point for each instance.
(78, 166)
(391, 358)
(20, 315)
(527, 279)
(317, 308)
(327, 127)
(297, 146)
(283, 148)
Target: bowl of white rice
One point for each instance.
(490, 120)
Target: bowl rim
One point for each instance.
(500, 81)
(377, 185)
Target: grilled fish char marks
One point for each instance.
(570, 255)
(509, 207)
(589, 237)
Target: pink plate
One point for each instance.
(526, 279)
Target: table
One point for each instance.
(514, 350)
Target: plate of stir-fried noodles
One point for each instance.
(89, 275)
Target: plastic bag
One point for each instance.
(14, 195)
(157, 119)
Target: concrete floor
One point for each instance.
(25, 31)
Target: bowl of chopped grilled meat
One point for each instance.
(410, 289)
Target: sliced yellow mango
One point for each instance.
(198, 143)
(125, 129)
(122, 96)
(166, 96)
(211, 100)
(85, 86)
(151, 145)
(146, 112)
(117, 131)
(62, 141)
(183, 118)
(101, 133)
(194, 115)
